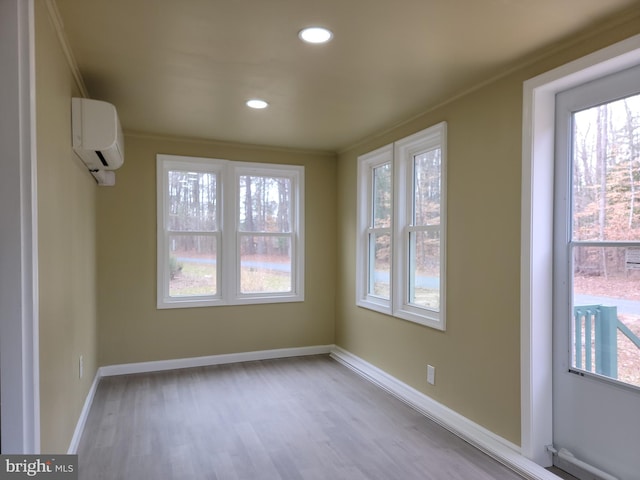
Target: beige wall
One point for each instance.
(477, 358)
(131, 329)
(66, 248)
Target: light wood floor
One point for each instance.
(302, 418)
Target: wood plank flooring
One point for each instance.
(305, 418)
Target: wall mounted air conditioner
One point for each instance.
(97, 137)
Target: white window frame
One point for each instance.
(366, 166)
(401, 156)
(228, 252)
(405, 151)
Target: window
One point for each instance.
(229, 233)
(401, 219)
(375, 174)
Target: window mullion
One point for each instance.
(228, 226)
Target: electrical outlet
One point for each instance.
(431, 374)
(80, 367)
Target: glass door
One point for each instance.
(597, 278)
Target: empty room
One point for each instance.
(286, 239)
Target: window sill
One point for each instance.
(252, 300)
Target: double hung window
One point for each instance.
(402, 228)
(229, 232)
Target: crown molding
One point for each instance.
(58, 26)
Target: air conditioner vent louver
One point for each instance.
(102, 159)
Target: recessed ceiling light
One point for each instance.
(315, 35)
(257, 103)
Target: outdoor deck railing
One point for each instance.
(596, 338)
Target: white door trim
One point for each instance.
(19, 372)
(537, 244)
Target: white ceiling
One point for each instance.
(186, 67)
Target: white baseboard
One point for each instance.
(493, 445)
(84, 414)
(160, 365)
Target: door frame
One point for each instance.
(536, 269)
(19, 358)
